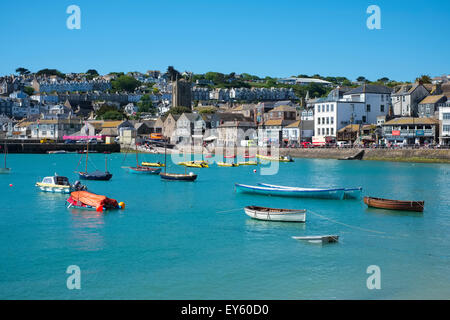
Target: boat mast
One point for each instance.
(5, 154)
(165, 156)
(87, 154)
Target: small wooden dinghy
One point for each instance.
(321, 239)
(394, 204)
(274, 214)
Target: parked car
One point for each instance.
(92, 141)
(68, 141)
(46, 140)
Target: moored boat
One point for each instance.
(394, 204)
(319, 239)
(152, 164)
(274, 214)
(178, 176)
(91, 201)
(247, 163)
(337, 193)
(271, 158)
(59, 184)
(5, 169)
(95, 175)
(349, 193)
(144, 170)
(225, 164)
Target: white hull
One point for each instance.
(54, 189)
(299, 216)
(319, 239)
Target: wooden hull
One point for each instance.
(178, 177)
(337, 194)
(273, 214)
(394, 204)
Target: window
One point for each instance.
(332, 120)
(318, 120)
(446, 116)
(382, 108)
(332, 107)
(323, 108)
(382, 98)
(323, 131)
(446, 128)
(328, 107)
(364, 119)
(404, 99)
(328, 120)
(332, 131)
(318, 108)
(318, 132)
(368, 108)
(328, 131)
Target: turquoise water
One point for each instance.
(181, 240)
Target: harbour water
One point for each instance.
(183, 240)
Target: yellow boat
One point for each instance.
(279, 159)
(152, 164)
(248, 163)
(224, 164)
(193, 164)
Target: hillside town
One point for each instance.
(214, 110)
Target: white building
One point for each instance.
(444, 130)
(361, 105)
(405, 100)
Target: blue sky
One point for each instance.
(275, 38)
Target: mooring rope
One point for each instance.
(344, 224)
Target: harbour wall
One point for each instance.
(30, 147)
(403, 155)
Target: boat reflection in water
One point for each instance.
(87, 230)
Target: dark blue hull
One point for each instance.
(101, 177)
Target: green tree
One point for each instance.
(113, 115)
(145, 105)
(424, 79)
(50, 72)
(28, 90)
(125, 83)
(361, 79)
(22, 71)
(92, 72)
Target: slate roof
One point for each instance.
(370, 88)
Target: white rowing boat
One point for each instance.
(274, 214)
(316, 239)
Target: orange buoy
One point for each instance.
(99, 209)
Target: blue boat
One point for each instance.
(349, 193)
(95, 175)
(337, 193)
